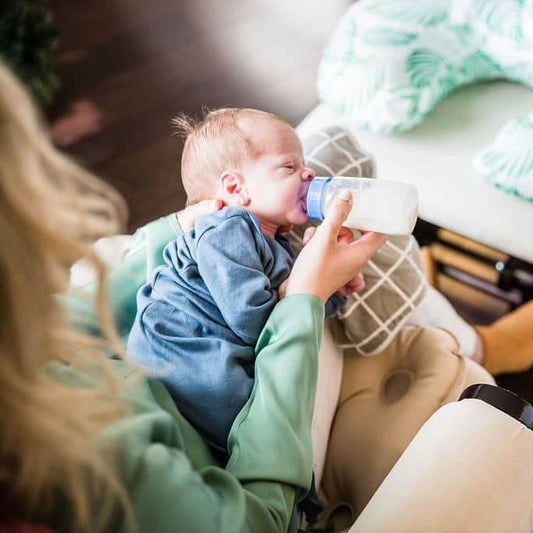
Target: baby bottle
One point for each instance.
(383, 206)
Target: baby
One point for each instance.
(200, 317)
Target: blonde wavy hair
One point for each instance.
(50, 211)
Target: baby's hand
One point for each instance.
(188, 216)
(357, 284)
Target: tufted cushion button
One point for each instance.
(396, 385)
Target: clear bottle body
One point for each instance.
(383, 206)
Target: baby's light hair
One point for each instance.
(213, 144)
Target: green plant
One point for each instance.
(27, 40)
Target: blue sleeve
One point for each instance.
(229, 262)
(334, 304)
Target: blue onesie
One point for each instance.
(200, 317)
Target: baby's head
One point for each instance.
(246, 158)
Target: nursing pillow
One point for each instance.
(389, 62)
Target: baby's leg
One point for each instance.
(436, 311)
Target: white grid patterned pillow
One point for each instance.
(395, 282)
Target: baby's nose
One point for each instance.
(308, 174)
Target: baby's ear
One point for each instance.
(233, 189)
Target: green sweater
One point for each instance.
(172, 480)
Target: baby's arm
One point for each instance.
(229, 261)
(334, 304)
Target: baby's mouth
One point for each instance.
(303, 204)
(303, 198)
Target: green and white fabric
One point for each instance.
(390, 61)
(508, 160)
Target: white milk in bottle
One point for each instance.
(382, 206)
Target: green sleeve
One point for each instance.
(124, 280)
(172, 480)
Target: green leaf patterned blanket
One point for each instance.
(390, 61)
(508, 160)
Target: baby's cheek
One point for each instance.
(300, 217)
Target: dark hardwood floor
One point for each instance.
(142, 63)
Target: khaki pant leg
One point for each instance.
(467, 471)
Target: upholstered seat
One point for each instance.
(384, 400)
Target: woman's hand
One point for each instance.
(329, 261)
(357, 283)
(188, 216)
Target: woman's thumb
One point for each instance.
(338, 211)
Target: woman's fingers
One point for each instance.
(308, 234)
(368, 244)
(345, 236)
(337, 213)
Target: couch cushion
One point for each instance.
(384, 401)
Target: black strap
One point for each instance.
(311, 505)
(503, 399)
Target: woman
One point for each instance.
(86, 442)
